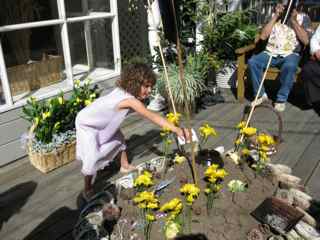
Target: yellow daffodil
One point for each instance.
(144, 196)
(165, 132)
(150, 217)
(172, 229)
(179, 159)
(147, 173)
(56, 125)
(213, 174)
(191, 191)
(206, 130)
(237, 142)
(241, 125)
(33, 99)
(60, 100)
(36, 120)
(171, 205)
(217, 188)
(142, 205)
(208, 191)
(245, 152)
(153, 205)
(221, 173)
(87, 81)
(174, 118)
(265, 139)
(46, 115)
(87, 102)
(263, 156)
(144, 180)
(92, 96)
(248, 131)
(77, 83)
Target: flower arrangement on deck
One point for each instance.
(53, 120)
(255, 144)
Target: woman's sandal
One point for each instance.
(127, 170)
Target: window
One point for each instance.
(44, 48)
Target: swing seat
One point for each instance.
(244, 53)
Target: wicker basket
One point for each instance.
(47, 162)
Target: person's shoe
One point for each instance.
(260, 100)
(279, 106)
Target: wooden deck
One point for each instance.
(36, 206)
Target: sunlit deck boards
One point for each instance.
(37, 206)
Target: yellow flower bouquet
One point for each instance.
(214, 176)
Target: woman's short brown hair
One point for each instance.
(134, 76)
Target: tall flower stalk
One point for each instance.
(147, 203)
(166, 141)
(173, 209)
(205, 132)
(213, 177)
(191, 193)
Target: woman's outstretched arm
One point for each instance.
(138, 106)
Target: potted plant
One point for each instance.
(194, 82)
(223, 33)
(51, 140)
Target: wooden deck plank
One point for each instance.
(307, 167)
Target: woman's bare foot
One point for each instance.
(127, 168)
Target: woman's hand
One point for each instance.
(184, 133)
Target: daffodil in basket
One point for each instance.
(173, 224)
(147, 204)
(53, 125)
(206, 155)
(191, 192)
(214, 176)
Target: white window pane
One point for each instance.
(76, 8)
(33, 58)
(22, 11)
(91, 48)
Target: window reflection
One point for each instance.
(76, 8)
(33, 58)
(91, 47)
(22, 11)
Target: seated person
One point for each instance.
(311, 72)
(284, 46)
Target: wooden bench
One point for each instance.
(244, 53)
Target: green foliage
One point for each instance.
(193, 78)
(57, 115)
(228, 32)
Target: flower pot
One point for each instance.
(226, 76)
(209, 157)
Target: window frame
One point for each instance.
(63, 21)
